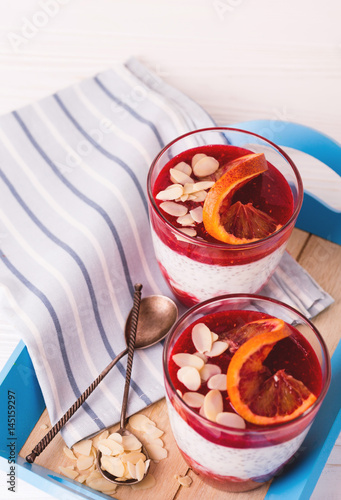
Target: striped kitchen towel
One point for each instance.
(74, 236)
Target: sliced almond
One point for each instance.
(214, 337)
(190, 188)
(68, 472)
(213, 404)
(84, 463)
(196, 158)
(185, 481)
(131, 443)
(113, 465)
(208, 371)
(114, 447)
(183, 167)
(99, 437)
(146, 483)
(217, 382)
(173, 208)
(231, 420)
(139, 470)
(201, 337)
(205, 166)
(201, 355)
(69, 453)
(196, 214)
(154, 433)
(188, 231)
(115, 436)
(139, 420)
(185, 220)
(81, 479)
(184, 197)
(133, 457)
(198, 196)
(190, 377)
(179, 177)
(83, 447)
(105, 450)
(156, 452)
(101, 484)
(218, 348)
(185, 359)
(172, 193)
(193, 399)
(132, 471)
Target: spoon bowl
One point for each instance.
(158, 314)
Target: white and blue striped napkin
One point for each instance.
(74, 236)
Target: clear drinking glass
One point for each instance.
(229, 458)
(196, 269)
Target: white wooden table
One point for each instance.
(241, 60)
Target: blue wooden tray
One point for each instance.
(18, 377)
(315, 217)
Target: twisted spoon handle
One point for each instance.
(46, 440)
(131, 348)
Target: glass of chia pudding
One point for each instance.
(223, 203)
(245, 377)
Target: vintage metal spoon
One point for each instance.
(122, 430)
(157, 315)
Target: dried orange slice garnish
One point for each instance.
(257, 395)
(218, 200)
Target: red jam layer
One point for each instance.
(268, 192)
(294, 354)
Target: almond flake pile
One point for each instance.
(196, 369)
(184, 187)
(121, 456)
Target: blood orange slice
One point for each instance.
(245, 223)
(257, 395)
(218, 200)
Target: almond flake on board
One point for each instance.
(138, 421)
(146, 483)
(84, 463)
(185, 481)
(83, 447)
(69, 453)
(68, 472)
(156, 452)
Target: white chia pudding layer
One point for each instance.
(242, 463)
(204, 281)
